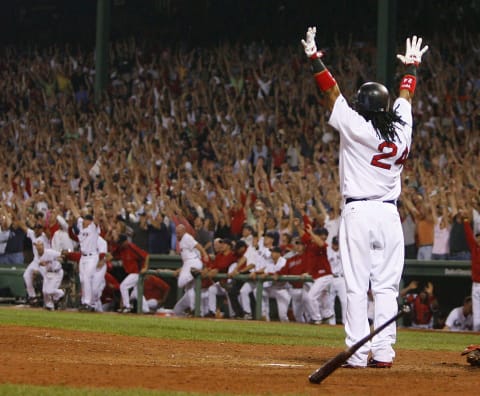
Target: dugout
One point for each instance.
(451, 279)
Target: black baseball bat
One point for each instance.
(334, 363)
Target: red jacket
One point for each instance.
(474, 251)
(133, 258)
(155, 288)
(221, 262)
(295, 266)
(316, 259)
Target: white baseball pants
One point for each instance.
(476, 305)
(28, 277)
(86, 272)
(298, 296)
(317, 299)
(372, 249)
(98, 286)
(51, 288)
(339, 289)
(282, 297)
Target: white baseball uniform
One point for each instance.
(371, 237)
(457, 321)
(98, 283)
(53, 275)
(338, 287)
(33, 267)
(276, 290)
(191, 259)
(252, 257)
(88, 239)
(297, 290)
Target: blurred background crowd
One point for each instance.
(223, 133)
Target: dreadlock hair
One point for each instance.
(384, 123)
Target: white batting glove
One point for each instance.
(413, 53)
(309, 44)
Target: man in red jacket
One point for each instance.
(224, 258)
(134, 260)
(474, 245)
(318, 266)
(298, 290)
(155, 291)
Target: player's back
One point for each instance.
(370, 166)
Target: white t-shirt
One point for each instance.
(369, 167)
(441, 238)
(187, 248)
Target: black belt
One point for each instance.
(55, 271)
(337, 275)
(349, 200)
(88, 254)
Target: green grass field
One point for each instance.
(247, 332)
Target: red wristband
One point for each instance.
(409, 83)
(325, 80)
(316, 55)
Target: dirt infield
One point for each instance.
(41, 356)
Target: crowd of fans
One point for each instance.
(213, 138)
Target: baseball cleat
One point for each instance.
(372, 363)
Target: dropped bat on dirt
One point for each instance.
(330, 366)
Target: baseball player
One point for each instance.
(460, 318)
(61, 239)
(374, 143)
(88, 233)
(248, 262)
(155, 290)
(134, 261)
(259, 257)
(298, 290)
(276, 290)
(224, 258)
(474, 245)
(192, 253)
(88, 239)
(338, 287)
(35, 235)
(98, 283)
(316, 261)
(48, 259)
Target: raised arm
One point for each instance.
(324, 79)
(411, 59)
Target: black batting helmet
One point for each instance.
(372, 97)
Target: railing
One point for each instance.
(259, 280)
(164, 266)
(413, 268)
